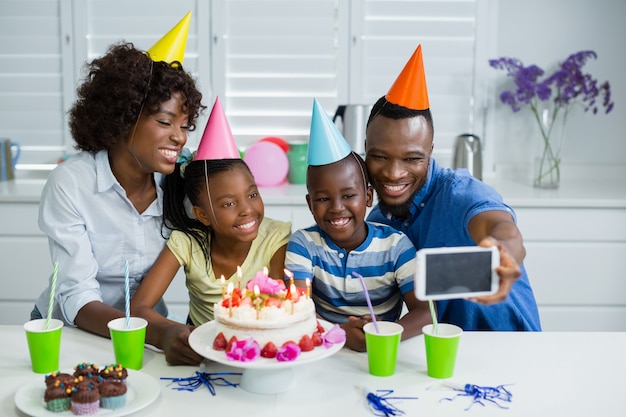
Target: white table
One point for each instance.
(553, 374)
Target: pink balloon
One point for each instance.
(278, 141)
(268, 163)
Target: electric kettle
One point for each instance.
(351, 120)
(468, 154)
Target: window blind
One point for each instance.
(100, 23)
(275, 56)
(385, 33)
(31, 86)
(266, 59)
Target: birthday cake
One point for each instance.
(266, 319)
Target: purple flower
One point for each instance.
(288, 352)
(565, 86)
(244, 351)
(334, 335)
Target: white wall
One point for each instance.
(544, 32)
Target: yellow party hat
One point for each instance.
(171, 47)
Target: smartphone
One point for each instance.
(456, 272)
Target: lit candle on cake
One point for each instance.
(290, 275)
(257, 301)
(239, 277)
(223, 281)
(265, 271)
(292, 295)
(230, 299)
(308, 288)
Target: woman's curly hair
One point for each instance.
(118, 87)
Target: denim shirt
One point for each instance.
(439, 216)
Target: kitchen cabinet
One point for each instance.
(573, 258)
(575, 237)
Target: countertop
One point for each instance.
(550, 374)
(583, 193)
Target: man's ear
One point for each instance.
(308, 203)
(369, 196)
(201, 215)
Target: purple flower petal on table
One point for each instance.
(333, 336)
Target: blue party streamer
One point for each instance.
(200, 379)
(380, 404)
(495, 395)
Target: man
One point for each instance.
(438, 207)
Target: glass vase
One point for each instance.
(547, 166)
(547, 172)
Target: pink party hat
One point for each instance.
(171, 47)
(217, 141)
(326, 144)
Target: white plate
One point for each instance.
(201, 340)
(142, 391)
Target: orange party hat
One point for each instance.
(217, 141)
(409, 89)
(171, 47)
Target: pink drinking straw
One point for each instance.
(367, 298)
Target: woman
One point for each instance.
(103, 206)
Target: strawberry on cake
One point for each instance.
(267, 319)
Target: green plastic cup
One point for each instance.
(441, 349)
(128, 343)
(297, 156)
(382, 347)
(44, 345)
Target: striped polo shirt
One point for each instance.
(386, 260)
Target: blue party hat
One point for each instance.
(326, 143)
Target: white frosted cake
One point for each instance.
(265, 319)
(272, 323)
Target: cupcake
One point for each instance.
(113, 373)
(85, 398)
(112, 394)
(86, 370)
(63, 378)
(57, 396)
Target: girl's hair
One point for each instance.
(121, 85)
(394, 111)
(194, 185)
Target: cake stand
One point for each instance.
(263, 375)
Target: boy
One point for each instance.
(342, 243)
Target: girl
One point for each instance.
(227, 230)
